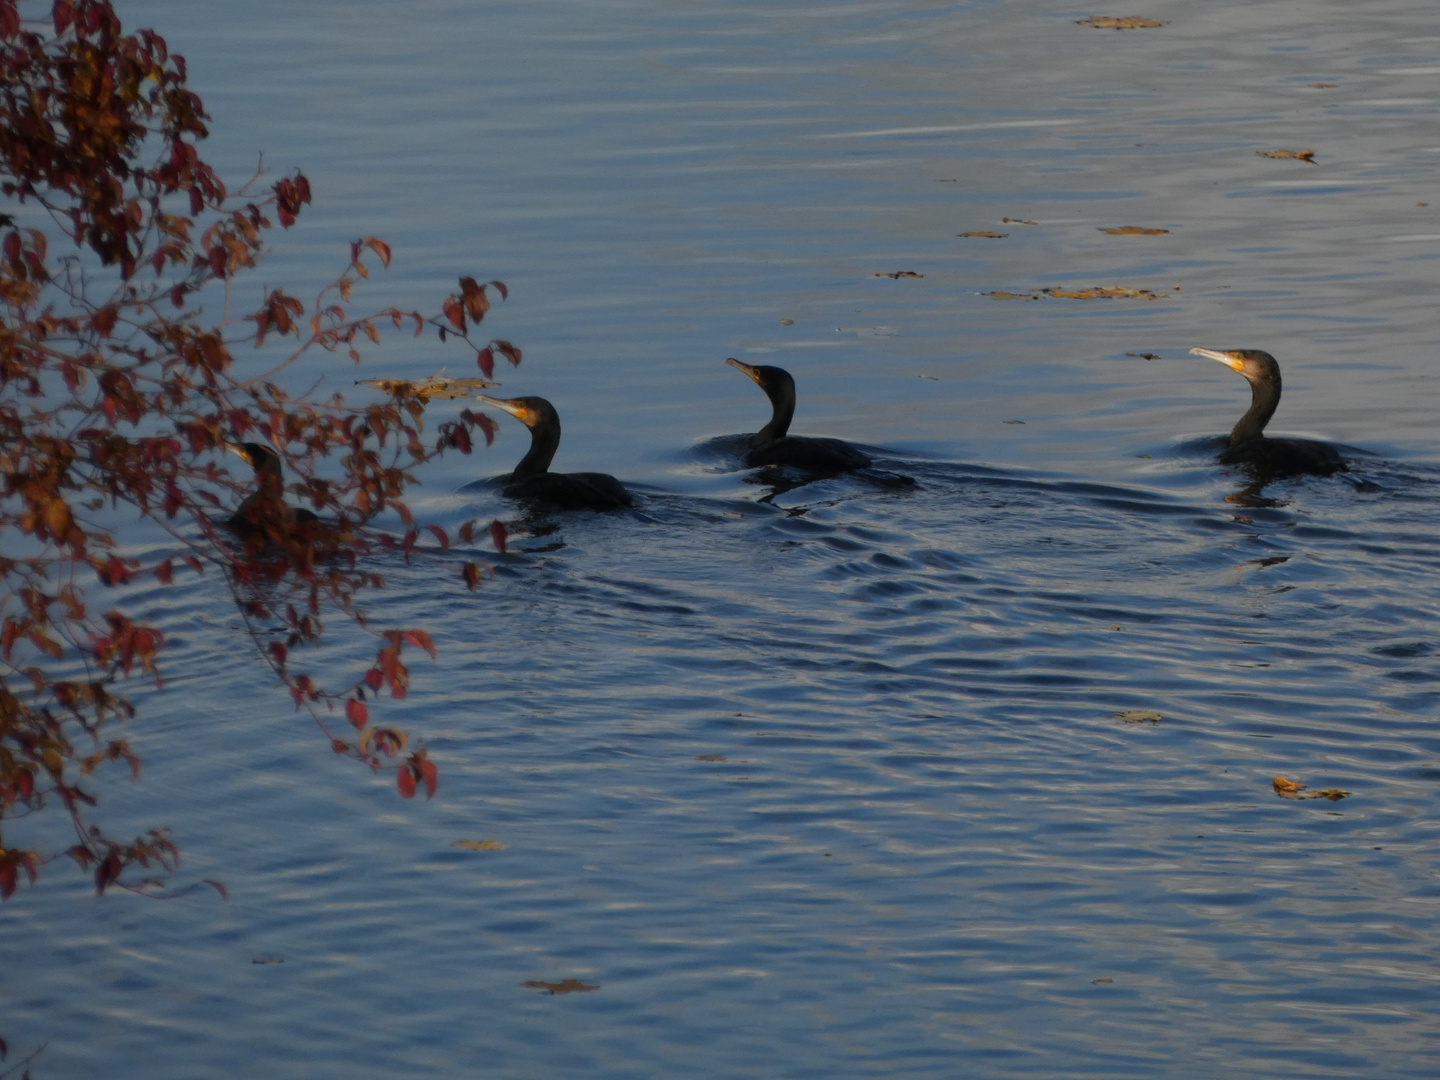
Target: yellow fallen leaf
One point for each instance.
(479, 845)
(900, 273)
(436, 386)
(1287, 787)
(1334, 794)
(1016, 221)
(1134, 230)
(568, 986)
(1002, 295)
(1102, 980)
(986, 235)
(1298, 155)
(1125, 22)
(711, 757)
(1138, 716)
(1101, 292)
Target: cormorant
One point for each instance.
(264, 512)
(1248, 443)
(772, 446)
(532, 479)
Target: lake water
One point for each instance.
(833, 784)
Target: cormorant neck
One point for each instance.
(782, 401)
(544, 441)
(1264, 397)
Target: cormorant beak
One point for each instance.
(1228, 359)
(514, 408)
(240, 452)
(747, 369)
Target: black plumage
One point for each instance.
(773, 445)
(264, 513)
(1248, 444)
(532, 479)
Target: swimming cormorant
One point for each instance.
(772, 446)
(1248, 443)
(264, 513)
(532, 479)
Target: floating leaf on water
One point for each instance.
(900, 273)
(1291, 789)
(711, 757)
(436, 386)
(1272, 560)
(268, 960)
(1134, 230)
(1016, 221)
(1323, 85)
(1298, 155)
(787, 322)
(932, 378)
(479, 845)
(1101, 292)
(1124, 22)
(568, 986)
(1002, 295)
(986, 235)
(1138, 716)
(1012, 421)
(1102, 980)
(1145, 355)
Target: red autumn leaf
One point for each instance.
(455, 312)
(422, 639)
(498, 536)
(165, 572)
(107, 872)
(501, 289)
(64, 14)
(7, 878)
(430, 775)
(104, 320)
(357, 713)
(374, 679)
(440, 535)
(511, 352)
(471, 573)
(486, 359)
(380, 248)
(405, 781)
(12, 247)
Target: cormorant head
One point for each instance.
(772, 380)
(533, 412)
(259, 457)
(1255, 365)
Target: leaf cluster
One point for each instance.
(120, 388)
